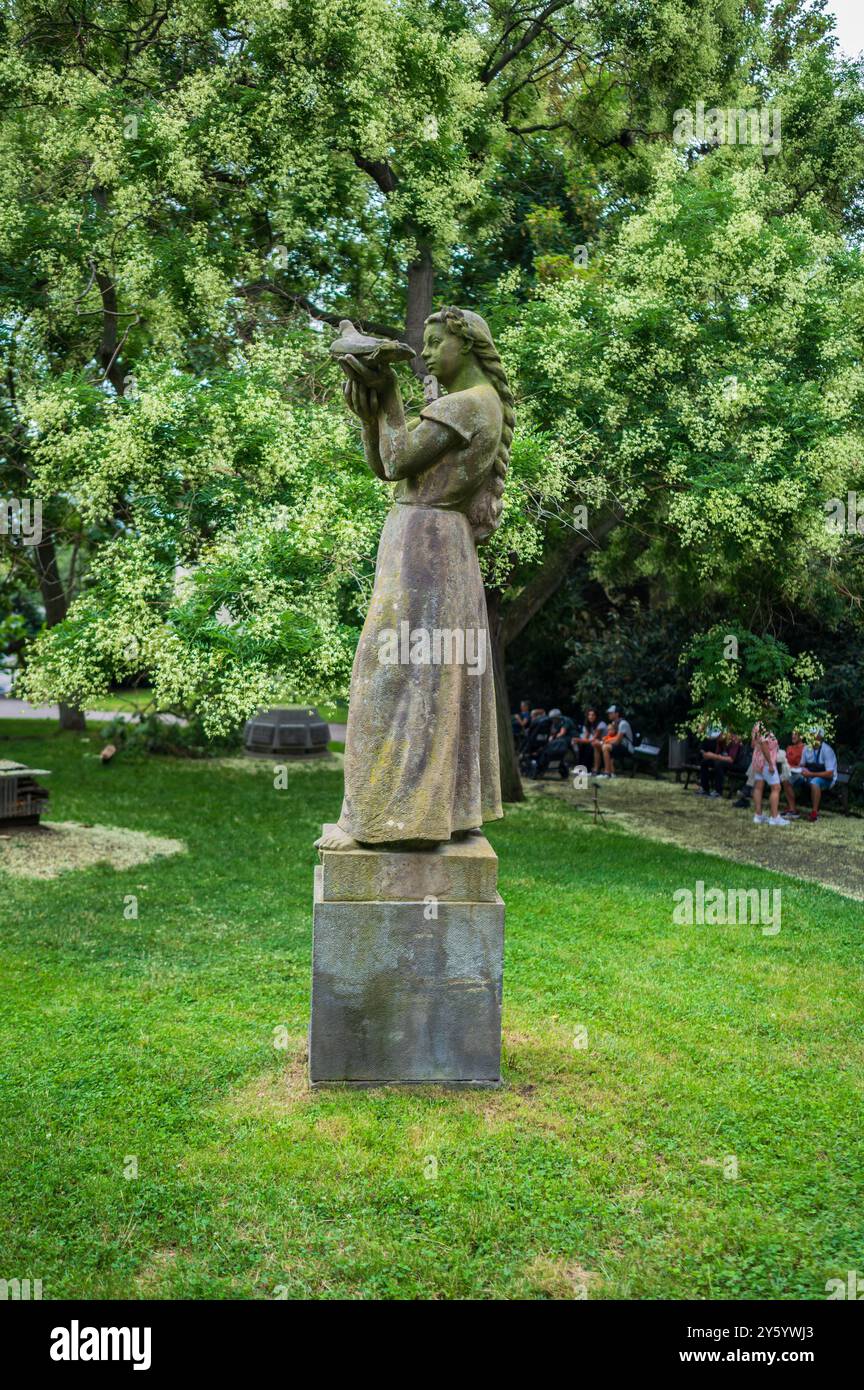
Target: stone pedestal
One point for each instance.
(407, 964)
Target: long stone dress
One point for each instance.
(421, 753)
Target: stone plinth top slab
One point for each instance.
(455, 871)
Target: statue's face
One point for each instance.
(443, 352)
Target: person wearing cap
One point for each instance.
(561, 730)
(817, 769)
(617, 741)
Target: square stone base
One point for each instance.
(407, 992)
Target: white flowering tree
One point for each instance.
(179, 186)
(704, 380)
(739, 677)
(238, 521)
(175, 182)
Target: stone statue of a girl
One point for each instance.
(421, 754)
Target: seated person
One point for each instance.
(537, 732)
(817, 769)
(794, 751)
(589, 740)
(617, 741)
(521, 721)
(719, 753)
(561, 731)
(789, 762)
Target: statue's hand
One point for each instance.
(360, 399)
(377, 378)
(366, 387)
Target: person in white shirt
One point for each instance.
(588, 743)
(817, 769)
(617, 741)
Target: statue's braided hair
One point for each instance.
(485, 511)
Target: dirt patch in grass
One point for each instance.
(560, 1278)
(541, 1074)
(831, 852)
(149, 1280)
(331, 761)
(276, 1092)
(57, 847)
(333, 1127)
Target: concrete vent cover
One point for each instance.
(292, 731)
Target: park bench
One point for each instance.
(646, 753)
(840, 789)
(736, 778)
(850, 778)
(22, 800)
(684, 757)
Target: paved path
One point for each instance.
(831, 852)
(19, 709)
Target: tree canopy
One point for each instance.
(192, 195)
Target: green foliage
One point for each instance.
(13, 627)
(151, 733)
(738, 677)
(632, 660)
(839, 687)
(177, 187)
(237, 563)
(703, 380)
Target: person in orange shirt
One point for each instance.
(795, 749)
(617, 740)
(790, 772)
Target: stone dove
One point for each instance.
(375, 352)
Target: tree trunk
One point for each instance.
(557, 563)
(421, 285)
(54, 599)
(511, 781)
(72, 719)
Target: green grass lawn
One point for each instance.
(598, 1166)
(126, 701)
